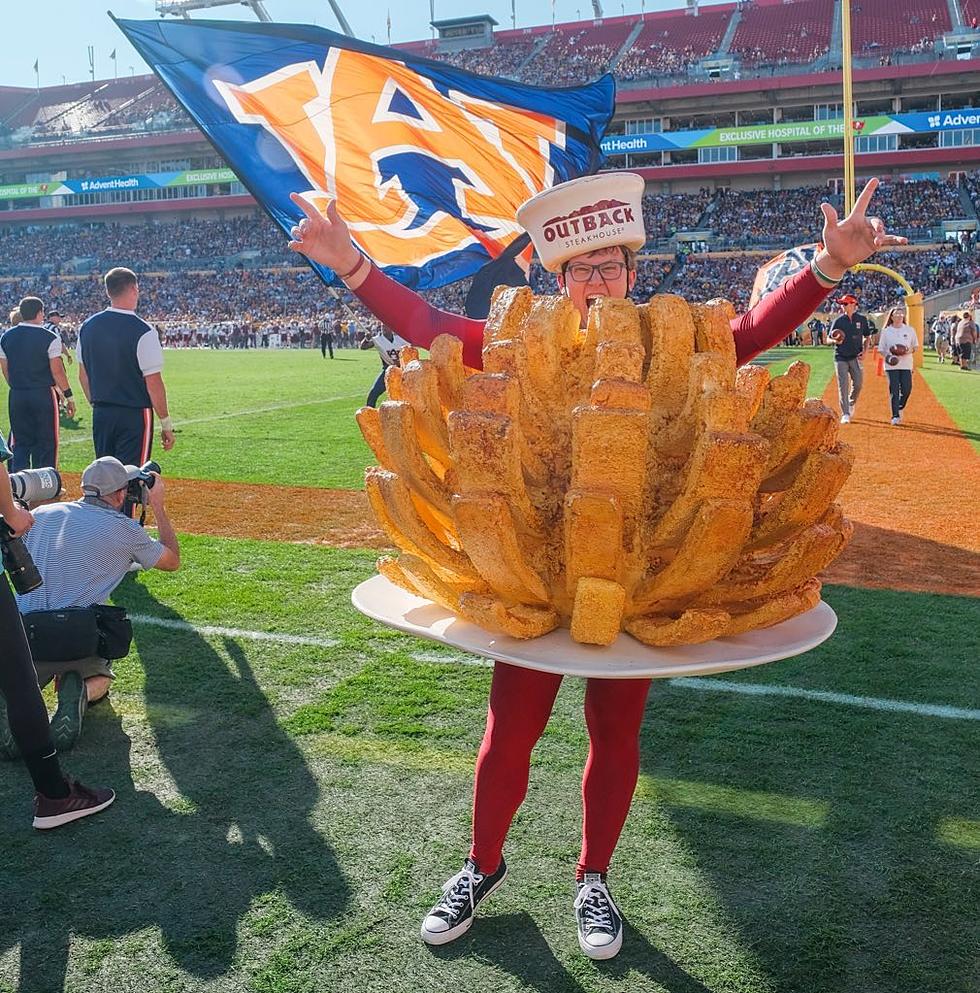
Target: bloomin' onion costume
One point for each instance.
(622, 477)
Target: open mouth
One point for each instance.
(592, 297)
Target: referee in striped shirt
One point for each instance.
(121, 372)
(31, 362)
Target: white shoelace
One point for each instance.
(458, 891)
(597, 904)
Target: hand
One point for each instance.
(155, 493)
(323, 238)
(19, 521)
(70, 407)
(856, 238)
(168, 438)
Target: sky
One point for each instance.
(57, 33)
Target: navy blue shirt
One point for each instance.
(118, 349)
(855, 329)
(29, 349)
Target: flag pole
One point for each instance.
(37, 75)
(849, 191)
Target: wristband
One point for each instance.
(347, 275)
(820, 274)
(166, 424)
(67, 394)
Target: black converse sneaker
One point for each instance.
(452, 916)
(600, 925)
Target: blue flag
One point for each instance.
(428, 163)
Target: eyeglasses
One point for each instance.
(582, 272)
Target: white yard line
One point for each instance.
(87, 438)
(709, 685)
(208, 630)
(825, 696)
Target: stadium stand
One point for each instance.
(898, 25)
(503, 58)
(577, 53)
(670, 44)
(787, 33)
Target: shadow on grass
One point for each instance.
(862, 892)
(237, 826)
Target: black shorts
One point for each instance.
(966, 350)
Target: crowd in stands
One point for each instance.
(912, 208)
(664, 214)
(747, 218)
(765, 36)
(185, 244)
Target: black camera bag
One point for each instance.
(78, 632)
(115, 631)
(62, 635)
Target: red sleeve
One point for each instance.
(407, 314)
(776, 315)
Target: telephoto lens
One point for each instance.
(32, 486)
(17, 561)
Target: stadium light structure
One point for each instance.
(183, 8)
(597, 8)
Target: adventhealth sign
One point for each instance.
(764, 134)
(105, 184)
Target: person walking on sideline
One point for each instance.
(848, 333)
(121, 371)
(897, 344)
(966, 339)
(31, 362)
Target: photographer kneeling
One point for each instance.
(84, 550)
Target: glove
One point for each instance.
(891, 359)
(898, 350)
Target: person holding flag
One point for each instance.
(590, 260)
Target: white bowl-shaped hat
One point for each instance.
(583, 215)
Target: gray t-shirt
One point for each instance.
(83, 551)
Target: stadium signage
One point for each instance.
(108, 184)
(789, 131)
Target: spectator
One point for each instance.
(84, 550)
(966, 339)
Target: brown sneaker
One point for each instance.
(80, 802)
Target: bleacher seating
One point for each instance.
(577, 52)
(797, 32)
(669, 44)
(503, 58)
(898, 25)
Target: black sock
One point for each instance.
(48, 778)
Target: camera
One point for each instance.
(136, 489)
(28, 486)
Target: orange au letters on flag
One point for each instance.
(362, 124)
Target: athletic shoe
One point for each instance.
(896, 420)
(80, 802)
(452, 916)
(845, 418)
(66, 725)
(8, 744)
(600, 925)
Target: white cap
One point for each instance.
(583, 215)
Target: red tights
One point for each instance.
(520, 705)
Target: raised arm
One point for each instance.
(325, 238)
(846, 243)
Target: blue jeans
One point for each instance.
(378, 389)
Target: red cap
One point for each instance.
(847, 298)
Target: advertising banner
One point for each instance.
(790, 131)
(106, 184)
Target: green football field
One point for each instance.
(294, 780)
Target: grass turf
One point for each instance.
(958, 392)
(284, 417)
(286, 812)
